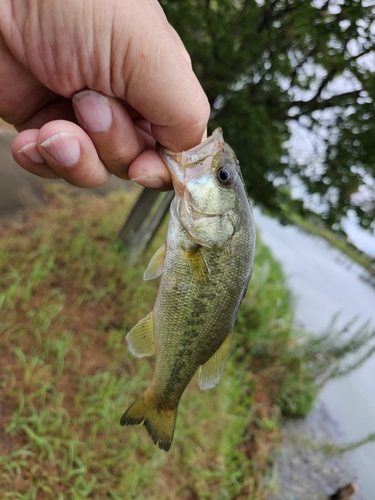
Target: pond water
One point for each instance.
(324, 283)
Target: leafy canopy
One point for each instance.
(273, 66)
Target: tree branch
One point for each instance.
(245, 7)
(364, 52)
(336, 100)
(269, 17)
(300, 64)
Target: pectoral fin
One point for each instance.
(210, 373)
(198, 267)
(141, 337)
(156, 264)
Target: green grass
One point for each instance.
(67, 299)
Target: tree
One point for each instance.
(271, 66)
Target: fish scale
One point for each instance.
(205, 266)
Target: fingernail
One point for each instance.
(64, 148)
(94, 110)
(150, 181)
(31, 152)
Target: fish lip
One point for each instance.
(195, 214)
(217, 136)
(188, 165)
(180, 163)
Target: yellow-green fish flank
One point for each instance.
(205, 265)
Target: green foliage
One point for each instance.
(268, 65)
(313, 361)
(337, 352)
(297, 395)
(332, 448)
(294, 364)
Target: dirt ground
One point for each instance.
(20, 190)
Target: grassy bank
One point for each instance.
(67, 299)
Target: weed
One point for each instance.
(67, 299)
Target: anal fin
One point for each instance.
(210, 373)
(141, 337)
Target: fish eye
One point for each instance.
(224, 176)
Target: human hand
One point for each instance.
(92, 85)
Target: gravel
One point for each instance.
(305, 473)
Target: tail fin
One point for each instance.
(160, 423)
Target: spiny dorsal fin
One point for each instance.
(198, 267)
(156, 265)
(210, 373)
(141, 337)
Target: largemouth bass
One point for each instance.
(206, 265)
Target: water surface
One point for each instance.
(324, 283)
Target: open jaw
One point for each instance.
(207, 229)
(182, 175)
(195, 214)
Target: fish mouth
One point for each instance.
(205, 222)
(192, 163)
(193, 212)
(183, 205)
(190, 218)
(198, 153)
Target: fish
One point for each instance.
(205, 267)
